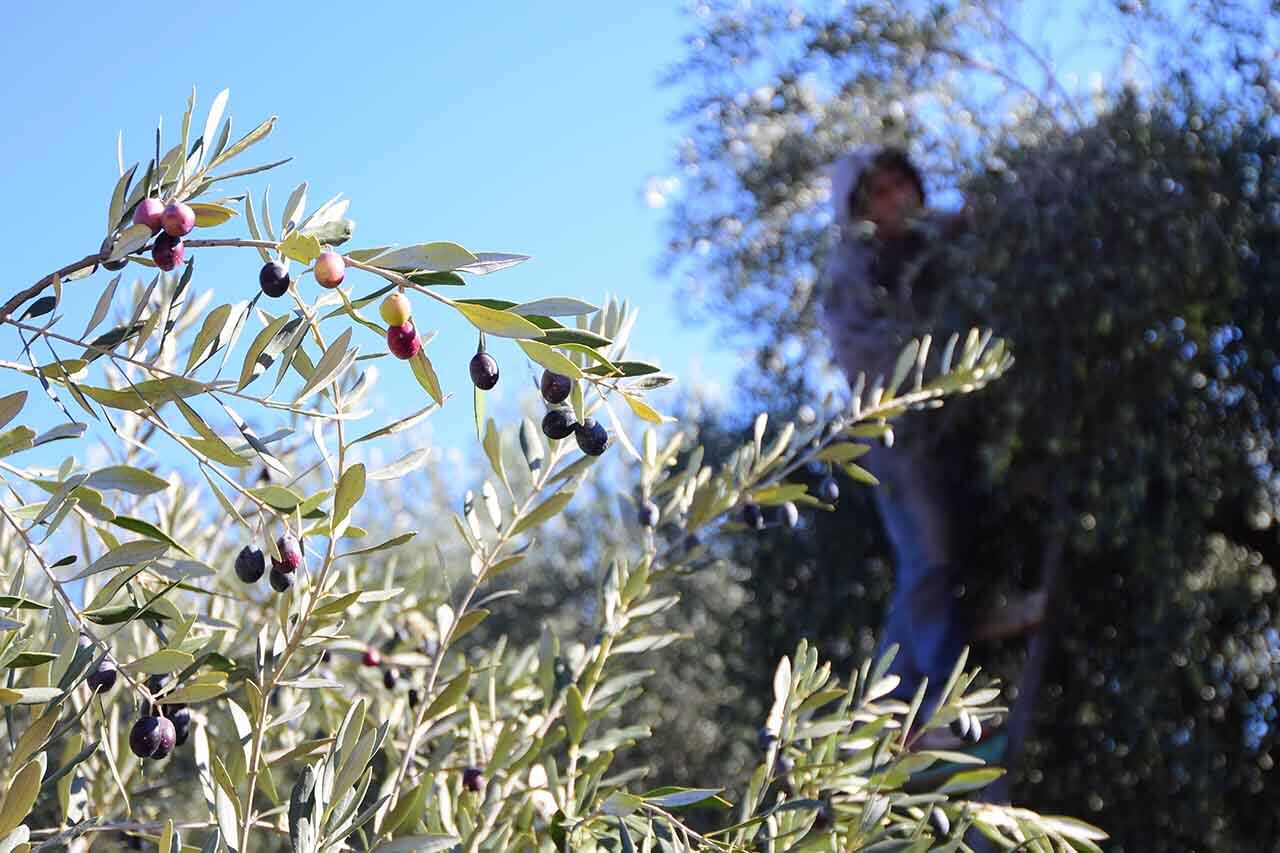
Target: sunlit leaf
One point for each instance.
(860, 474)
(548, 509)
(350, 490)
(129, 554)
(165, 660)
(128, 479)
(147, 529)
(398, 426)
(335, 359)
(383, 546)
(209, 215)
(780, 494)
(643, 410)
(407, 464)
(626, 368)
(30, 659)
(11, 405)
(487, 262)
(7, 601)
(28, 695)
(428, 257)
(21, 794)
(971, 780)
(115, 211)
(674, 798)
(16, 439)
(293, 209)
(130, 240)
(303, 248)
(556, 306)
(151, 393)
(504, 324)
(843, 452)
(253, 137)
(550, 359)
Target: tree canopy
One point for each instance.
(1126, 248)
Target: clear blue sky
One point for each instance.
(512, 128)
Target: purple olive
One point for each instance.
(167, 252)
(148, 213)
(290, 554)
(484, 371)
(178, 219)
(555, 387)
(273, 278)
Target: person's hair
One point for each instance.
(891, 159)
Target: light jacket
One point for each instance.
(868, 321)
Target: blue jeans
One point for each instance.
(924, 614)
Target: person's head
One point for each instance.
(887, 193)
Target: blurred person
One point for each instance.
(882, 282)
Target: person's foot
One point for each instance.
(938, 739)
(1021, 615)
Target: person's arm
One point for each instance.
(953, 225)
(859, 335)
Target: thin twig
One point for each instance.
(35, 289)
(95, 258)
(398, 279)
(138, 826)
(160, 371)
(252, 244)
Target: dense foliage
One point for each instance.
(1126, 246)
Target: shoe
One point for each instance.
(938, 739)
(1020, 616)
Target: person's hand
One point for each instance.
(955, 224)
